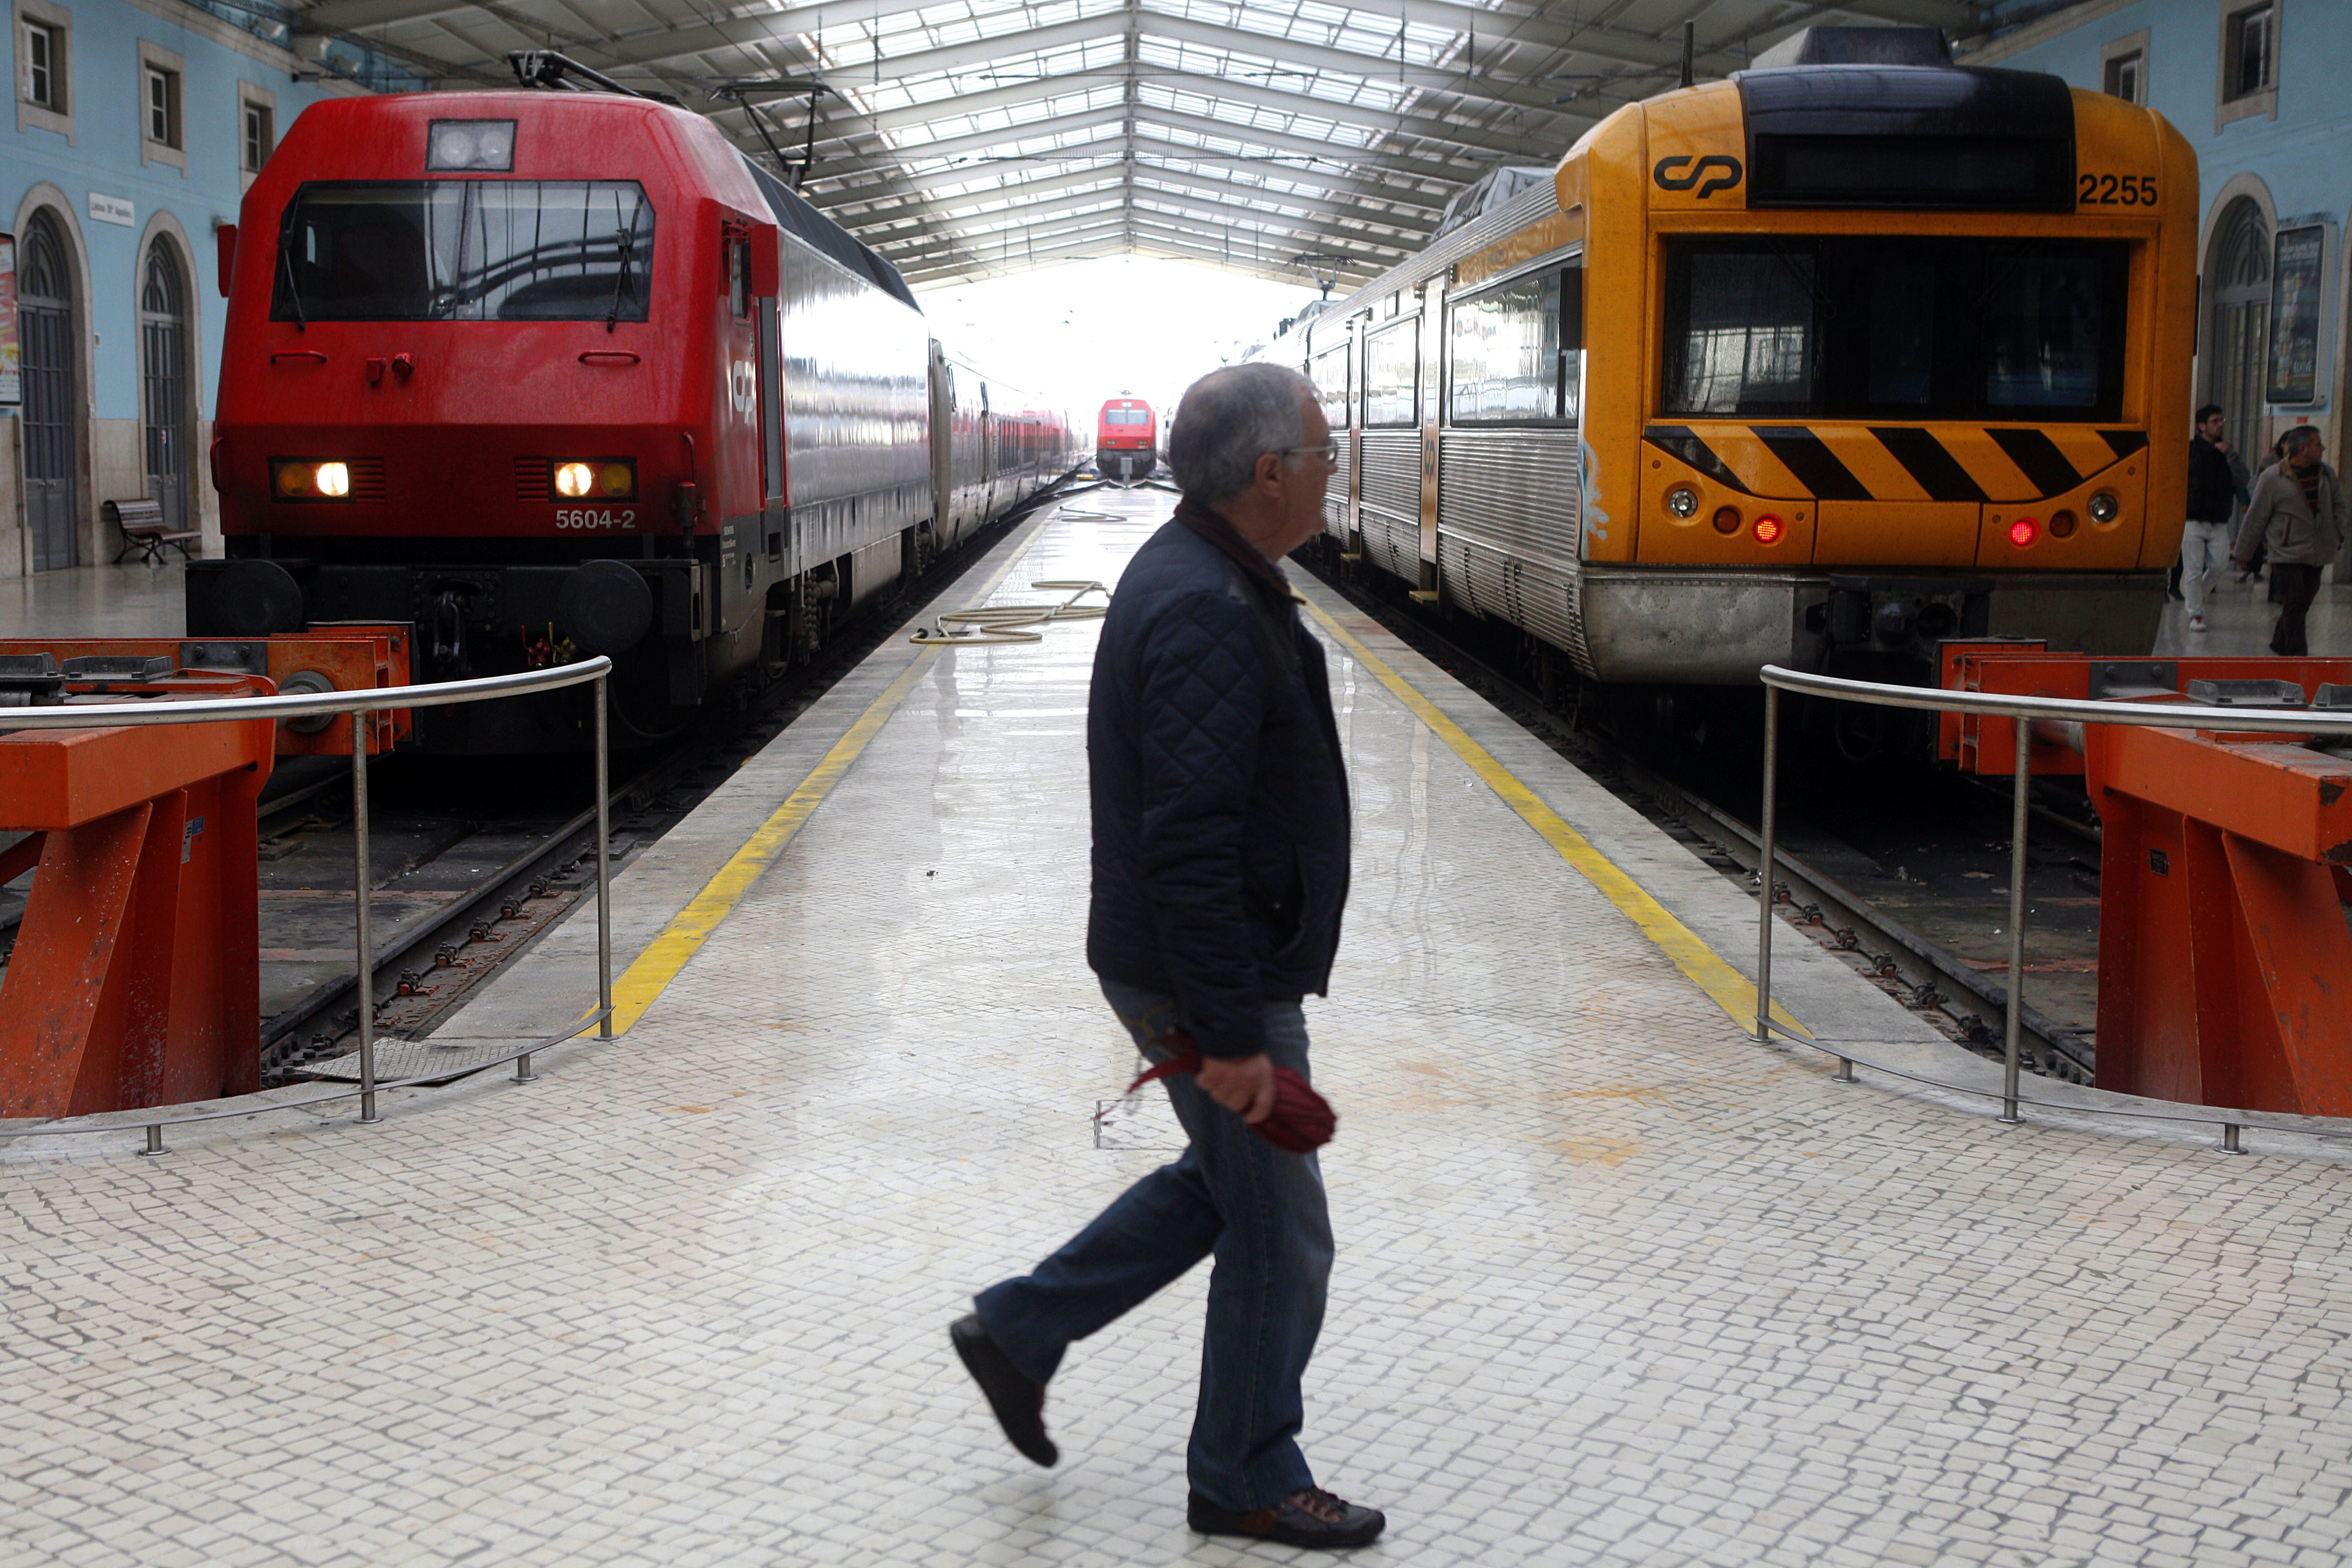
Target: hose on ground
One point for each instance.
(1011, 622)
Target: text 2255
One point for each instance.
(2116, 191)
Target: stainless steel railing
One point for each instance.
(358, 705)
(2035, 714)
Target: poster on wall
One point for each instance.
(12, 379)
(2294, 314)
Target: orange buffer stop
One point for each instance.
(2225, 954)
(135, 979)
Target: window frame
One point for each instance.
(1346, 408)
(46, 95)
(158, 65)
(281, 308)
(1838, 366)
(252, 100)
(2229, 103)
(2130, 51)
(1565, 387)
(1403, 326)
(57, 113)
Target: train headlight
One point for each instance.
(2104, 508)
(310, 479)
(1727, 519)
(2063, 525)
(1683, 501)
(605, 478)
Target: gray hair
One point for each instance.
(2297, 437)
(1228, 420)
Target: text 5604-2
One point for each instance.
(595, 517)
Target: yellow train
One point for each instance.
(1854, 352)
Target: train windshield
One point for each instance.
(1895, 329)
(1127, 416)
(466, 250)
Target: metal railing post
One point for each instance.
(360, 879)
(2021, 782)
(1764, 887)
(603, 859)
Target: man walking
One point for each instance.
(2298, 510)
(2217, 479)
(1221, 832)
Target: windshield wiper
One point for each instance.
(621, 273)
(293, 289)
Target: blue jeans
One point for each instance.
(1260, 1211)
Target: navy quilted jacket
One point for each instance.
(1220, 800)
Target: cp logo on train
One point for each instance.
(1679, 173)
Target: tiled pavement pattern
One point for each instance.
(1615, 1284)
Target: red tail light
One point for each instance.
(1769, 529)
(2024, 532)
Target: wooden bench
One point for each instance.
(143, 528)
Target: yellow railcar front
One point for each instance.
(1846, 359)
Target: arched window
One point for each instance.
(44, 326)
(163, 369)
(2239, 282)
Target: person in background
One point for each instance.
(2299, 512)
(2217, 480)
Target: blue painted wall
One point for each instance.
(2299, 157)
(104, 157)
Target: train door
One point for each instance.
(770, 331)
(45, 314)
(1432, 378)
(947, 527)
(988, 453)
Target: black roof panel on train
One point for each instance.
(794, 213)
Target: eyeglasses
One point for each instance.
(1329, 451)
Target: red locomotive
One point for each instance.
(553, 373)
(1126, 441)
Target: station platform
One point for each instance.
(1616, 1284)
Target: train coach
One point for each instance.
(1851, 355)
(543, 374)
(1126, 441)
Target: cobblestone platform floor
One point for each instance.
(1616, 1285)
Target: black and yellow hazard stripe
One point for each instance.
(1897, 462)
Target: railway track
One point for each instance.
(471, 863)
(1933, 978)
(429, 965)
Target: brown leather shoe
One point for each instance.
(1312, 1518)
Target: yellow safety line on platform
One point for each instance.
(1734, 992)
(650, 975)
(690, 927)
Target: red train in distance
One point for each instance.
(1126, 441)
(546, 373)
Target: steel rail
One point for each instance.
(357, 705)
(2151, 716)
(1903, 955)
(1914, 960)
